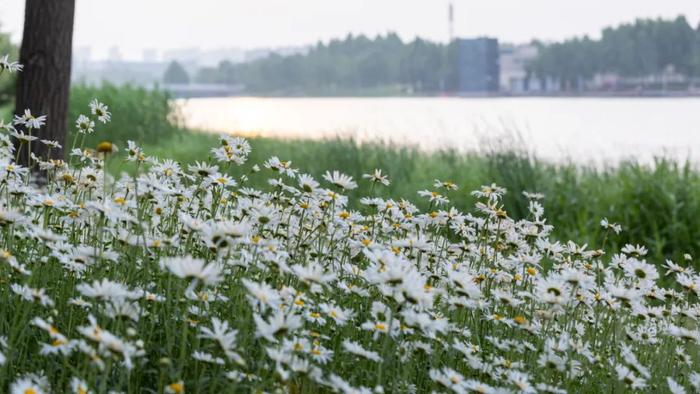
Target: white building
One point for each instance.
(514, 75)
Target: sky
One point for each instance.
(136, 25)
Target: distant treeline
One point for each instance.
(386, 64)
(354, 64)
(645, 47)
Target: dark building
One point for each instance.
(478, 65)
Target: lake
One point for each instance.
(583, 130)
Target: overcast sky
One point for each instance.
(135, 25)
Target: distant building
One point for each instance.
(515, 77)
(478, 65)
(119, 72)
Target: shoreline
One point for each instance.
(625, 94)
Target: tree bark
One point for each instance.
(44, 84)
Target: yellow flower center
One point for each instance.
(177, 387)
(104, 147)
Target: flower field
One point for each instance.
(184, 278)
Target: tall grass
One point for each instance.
(146, 116)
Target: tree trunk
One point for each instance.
(44, 84)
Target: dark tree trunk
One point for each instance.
(44, 84)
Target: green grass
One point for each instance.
(145, 116)
(5, 112)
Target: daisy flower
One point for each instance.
(357, 349)
(100, 110)
(188, 267)
(377, 177)
(278, 324)
(84, 124)
(6, 64)
(340, 180)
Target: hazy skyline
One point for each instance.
(136, 25)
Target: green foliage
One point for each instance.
(645, 47)
(145, 116)
(7, 80)
(5, 112)
(176, 74)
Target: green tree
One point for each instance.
(644, 47)
(176, 74)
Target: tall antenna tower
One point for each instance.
(450, 21)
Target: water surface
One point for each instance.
(579, 129)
